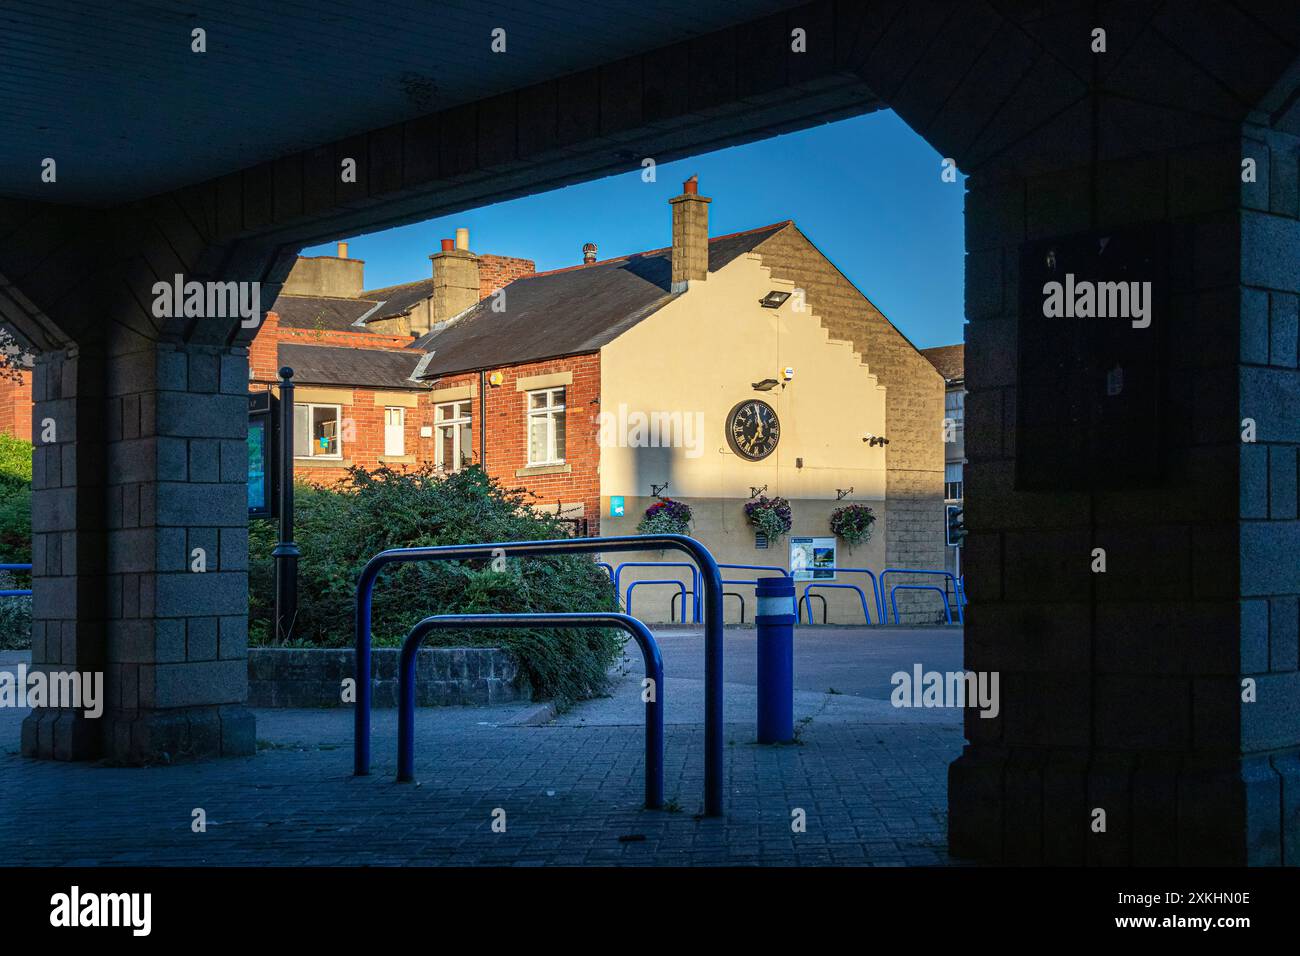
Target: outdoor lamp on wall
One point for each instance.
(766, 385)
(774, 299)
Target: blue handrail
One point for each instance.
(695, 579)
(893, 597)
(848, 587)
(946, 574)
(608, 569)
(627, 602)
(878, 597)
(15, 567)
(753, 567)
(654, 672)
(711, 579)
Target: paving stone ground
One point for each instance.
(871, 780)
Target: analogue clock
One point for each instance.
(753, 429)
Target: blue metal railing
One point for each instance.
(654, 672)
(847, 587)
(627, 602)
(694, 588)
(16, 567)
(947, 575)
(710, 578)
(893, 597)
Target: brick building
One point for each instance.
(545, 379)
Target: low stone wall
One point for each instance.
(444, 676)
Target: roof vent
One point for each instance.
(589, 253)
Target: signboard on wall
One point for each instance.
(261, 455)
(812, 559)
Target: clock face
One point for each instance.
(753, 429)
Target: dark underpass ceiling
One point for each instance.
(114, 94)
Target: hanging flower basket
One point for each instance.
(666, 516)
(853, 524)
(770, 517)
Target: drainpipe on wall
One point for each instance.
(482, 420)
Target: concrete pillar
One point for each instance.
(141, 530)
(1122, 691)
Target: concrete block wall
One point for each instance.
(177, 538)
(1122, 690)
(914, 407)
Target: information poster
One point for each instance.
(812, 559)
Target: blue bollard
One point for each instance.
(775, 620)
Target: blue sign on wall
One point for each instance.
(616, 507)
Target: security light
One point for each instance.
(766, 385)
(774, 299)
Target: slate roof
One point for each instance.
(363, 368)
(568, 311)
(950, 360)
(399, 299)
(321, 312)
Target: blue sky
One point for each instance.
(867, 191)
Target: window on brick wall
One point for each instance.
(546, 427)
(316, 431)
(453, 432)
(395, 431)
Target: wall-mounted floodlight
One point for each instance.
(766, 385)
(774, 299)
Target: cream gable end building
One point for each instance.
(601, 386)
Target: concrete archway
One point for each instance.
(1122, 691)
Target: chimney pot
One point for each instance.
(462, 239)
(692, 186)
(448, 245)
(343, 250)
(589, 253)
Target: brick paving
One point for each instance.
(874, 792)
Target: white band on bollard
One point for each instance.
(778, 604)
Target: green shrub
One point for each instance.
(337, 530)
(15, 614)
(15, 500)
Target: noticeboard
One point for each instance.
(262, 484)
(812, 559)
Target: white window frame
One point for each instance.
(551, 412)
(456, 422)
(397, 431)
(311, 437)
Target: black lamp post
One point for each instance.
(286, 552)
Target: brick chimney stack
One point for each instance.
(455, 278)
(690, 235)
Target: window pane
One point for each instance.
(466, 444)
(325, 430)
(394, 431)
(537, 439)
(444, 451)
(302, 431)
(462, 410)
(558, 418)
(537, 399)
